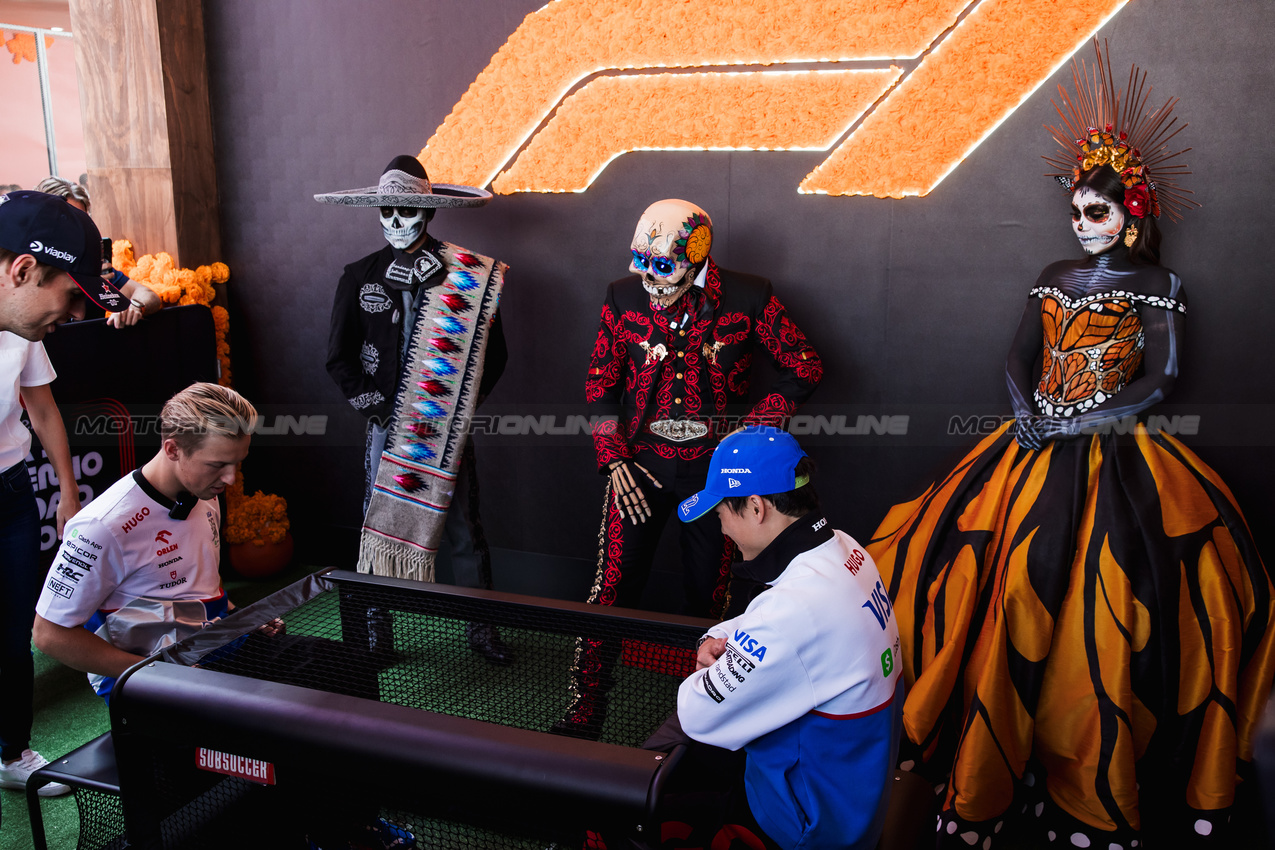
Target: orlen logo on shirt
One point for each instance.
(162, 540)
(132, 522)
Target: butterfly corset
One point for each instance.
(1092, 347)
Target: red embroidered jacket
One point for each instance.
(643, 371)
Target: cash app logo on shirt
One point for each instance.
(887, 663)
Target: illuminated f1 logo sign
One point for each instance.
(898, 95)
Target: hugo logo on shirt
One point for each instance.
(131, 523)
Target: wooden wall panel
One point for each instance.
(190, 134)
(136, 204)
(147, 128)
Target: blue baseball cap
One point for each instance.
(757, 461)
(59, 235)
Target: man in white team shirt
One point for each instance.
(138, 567)
(806, 679)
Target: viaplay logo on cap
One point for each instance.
(39, 247)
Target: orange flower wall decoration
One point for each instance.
(22, 45)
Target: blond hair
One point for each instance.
(64, 189)
(203, 409)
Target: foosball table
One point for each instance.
(371, 723)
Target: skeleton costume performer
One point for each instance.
(670, 372)
(415, 343)
(1085, 618)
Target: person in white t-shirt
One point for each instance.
(25, 376)
(138, 568)
(805, 679)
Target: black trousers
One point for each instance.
(624, 563)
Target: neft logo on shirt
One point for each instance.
(63, 590)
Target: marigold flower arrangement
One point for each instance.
(260, 518)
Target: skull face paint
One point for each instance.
(402, 226)
(671, 237)
(1096, 219)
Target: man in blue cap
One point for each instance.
(806, 679)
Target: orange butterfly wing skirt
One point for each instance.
(1095, 609)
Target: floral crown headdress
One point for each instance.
(1105, 126)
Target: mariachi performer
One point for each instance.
(415, 345)
(1085, 618)
(670, 375)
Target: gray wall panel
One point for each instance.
(912, 302)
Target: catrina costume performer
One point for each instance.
(415, 344)
(1085, 618)
(670, 374)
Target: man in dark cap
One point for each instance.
(50, 260)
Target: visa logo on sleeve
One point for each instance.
(749, 644)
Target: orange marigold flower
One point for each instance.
(220, 272)
(164, 262)
(221, 319)
(122, 255)
(204, 275)
(144, 268)
(260, 518)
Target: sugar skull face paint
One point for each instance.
(402, 226)
(671, 237)
(1097, 220)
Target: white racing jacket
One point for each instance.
(809, 686)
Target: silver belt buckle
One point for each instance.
(679, 430)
